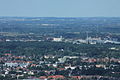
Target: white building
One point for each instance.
(58, 39)
(11, 64)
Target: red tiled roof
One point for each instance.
(61, 68)
(7, 54)
(42, 77)
(56, 76)
(77, 77)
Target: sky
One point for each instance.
(60, 8)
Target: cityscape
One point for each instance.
(59, 39)
(67, 54)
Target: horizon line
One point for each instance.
(66, 16)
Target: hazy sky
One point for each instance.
(60, 8)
